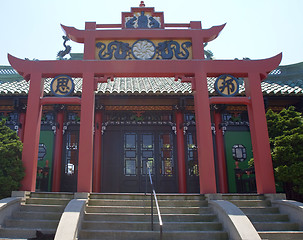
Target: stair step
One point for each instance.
(142, 196)
(146, 217)
(268, 217)
(251, 203)
(13, 233)
(260, 210)
(37, 215)
(152, 235)
(42, 208)
(279, 235)
(229, 197)
(276, 226)
(129, 209)
(52, 195)
(146, 226)
(38, 224)
(146, 202)
(47, 201)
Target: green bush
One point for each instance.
(11, 168)
(286, 138)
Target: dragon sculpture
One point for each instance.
(67, 49)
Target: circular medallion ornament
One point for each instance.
(144, 49)
(227, 85)
(62, 85)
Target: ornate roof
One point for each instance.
(285, 80)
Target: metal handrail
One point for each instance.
(153, 193)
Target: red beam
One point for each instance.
(229, 100)
(60, 100)
(144, 68)
(109, 25)
(177, 25)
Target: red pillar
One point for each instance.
(181, 153)
(220, 154)
(21, 126)
(32, 132)
(58, 153)
(259, 136)
(207, 175)
(97, 152)
(85, 164)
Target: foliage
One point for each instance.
(11, 168)
(286, 139)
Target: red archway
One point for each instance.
(195, 69)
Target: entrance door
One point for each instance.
(124, 168)
(70, 160)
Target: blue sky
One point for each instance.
(256, 29)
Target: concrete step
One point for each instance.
(152, 235)
(276, 226)
(278, 235)
(229, 197)
(268, 217)
(260, 210)
(143, 196)
(42, 208)
(146, 226)
(37, 224)
(37, 215)
(251, 203)
(146, 202)
(47, 201)
(61, 195)
(133, 209)
(21, 233)
(146, 217)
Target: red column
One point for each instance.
(207, 175)
(220, 154)
(97, 152)
(181, 153)
(85, 164)
(21, 126)
(89, 42)
(259, 136)
(32, 132)
(58, 153)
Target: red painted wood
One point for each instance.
(32, 132)
(204, 34)
(21, 126)
(97, 152)
(223, 186)
(229, 100)
(207, 175)
(60, 100)
(58, 153)
(259, 136)
(145, 68)
(85, 163)
(181, 153)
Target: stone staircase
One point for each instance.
(268, 221)
(40, 212)
(127, 216)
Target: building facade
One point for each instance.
(94, 122)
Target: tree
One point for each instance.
(286, 139)
(11, 168)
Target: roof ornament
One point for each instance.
(207, 53)
(142, 4)
(66, 51)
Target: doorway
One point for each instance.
(126, 152)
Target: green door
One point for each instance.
(241, 178)
(45, 161)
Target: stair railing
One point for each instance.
(153, 193)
